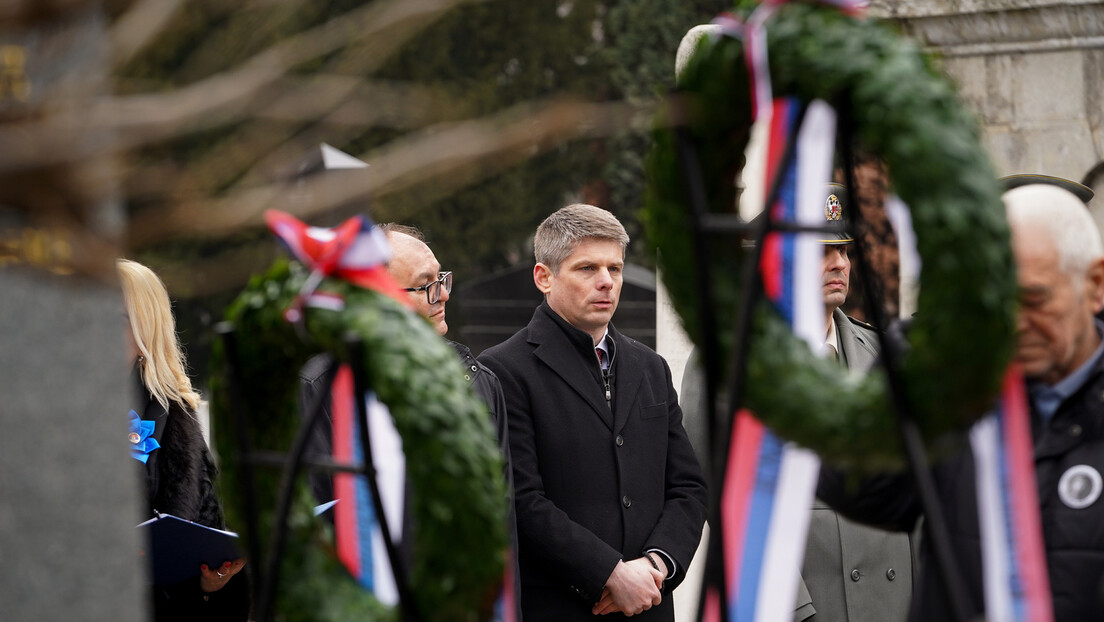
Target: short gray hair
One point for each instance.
(394, 227)
(1064, 218)
(561, 232)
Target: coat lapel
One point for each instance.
(557, 352)
(627, 375)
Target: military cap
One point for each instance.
(1015, 181)
(836, 201)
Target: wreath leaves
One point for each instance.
(962, 335)
(453, 462)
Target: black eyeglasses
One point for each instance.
(433, 288)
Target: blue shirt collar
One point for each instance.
(1048, 398)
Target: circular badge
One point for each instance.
(134, 438)
(1080, 486)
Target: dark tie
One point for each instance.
(601, 357)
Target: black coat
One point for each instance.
(593, 487)
(179, 479)
(1074, 538)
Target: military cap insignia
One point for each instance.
(832, 208)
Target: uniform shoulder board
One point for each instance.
(862, 324)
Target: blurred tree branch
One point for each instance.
(124, 123)
(450, 156)
(138, 26)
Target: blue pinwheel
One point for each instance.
(141, 443)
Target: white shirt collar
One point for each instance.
(603, 343)
(832, 339)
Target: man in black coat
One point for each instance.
(1060, 269)
(610, 499)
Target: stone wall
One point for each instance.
(1033, 71)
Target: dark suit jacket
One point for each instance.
(592, 486)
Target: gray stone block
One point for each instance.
(70, 489)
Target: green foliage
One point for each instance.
(459, 497)
(962, 336)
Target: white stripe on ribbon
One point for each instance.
(789, 524)
(368, 250)
(390, 465)
(815, 149)
(985, 441)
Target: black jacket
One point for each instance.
(1074, 538)
(179, 479)
(593, 485)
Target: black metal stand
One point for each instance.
(267, 567)
(705, 226)
(935, 525)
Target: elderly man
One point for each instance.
(610, 500)
(1060, 269)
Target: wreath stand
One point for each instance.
(705, 226)
(266, 568)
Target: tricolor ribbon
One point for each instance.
(359, 540)
(1014, 570)
(769, 484)
(355, 251)
(506, 605)
(754, 34)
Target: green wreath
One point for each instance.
(903, 111)
(459, 496)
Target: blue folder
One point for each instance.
(177, 548)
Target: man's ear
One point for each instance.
(542, 278)
(1094, 284)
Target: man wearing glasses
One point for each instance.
(415, 268)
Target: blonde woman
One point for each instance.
(167, 442)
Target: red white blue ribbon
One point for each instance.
(355, 251)
(769, 484)
(506, 607)
(1014, 570)
(754, 35)
(359, 540)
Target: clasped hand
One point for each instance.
(632, 588)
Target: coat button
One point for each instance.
(890, 574)
(467, 377)
(474, 368)
(1075, 430)
(626, 501)
(620, 440)
(855, 574)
